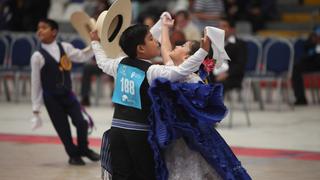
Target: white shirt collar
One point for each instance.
(52, 49)
(53, 43)
(146, 60)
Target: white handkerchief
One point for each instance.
(156, 29)
(216, 36)
(223, 68)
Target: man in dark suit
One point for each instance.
(236, 49)
(309, 62)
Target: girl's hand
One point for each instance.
(167, 21)
(205, 43)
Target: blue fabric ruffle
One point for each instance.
(189, 110)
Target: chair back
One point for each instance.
(78, 43)
(278, 57)
(20, 52)
(254, 53)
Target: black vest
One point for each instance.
(53, 80)
(130, 113)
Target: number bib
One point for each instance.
(127, 86)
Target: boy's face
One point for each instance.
(150, 48)
(45, 33)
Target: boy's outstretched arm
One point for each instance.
(106, 64)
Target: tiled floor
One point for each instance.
(279, 145)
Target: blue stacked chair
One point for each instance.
(278, 59)
(21, 50)
(253, 68)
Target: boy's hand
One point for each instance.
(94, 35)
(205, 43)
(36, 121)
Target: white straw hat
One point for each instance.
(111, 24)
(83, 25)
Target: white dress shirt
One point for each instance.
(172, 73)
(191, 78)
(37, 62)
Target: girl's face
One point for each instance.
(45, 33)
(180, 53)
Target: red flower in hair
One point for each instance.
(208, 64)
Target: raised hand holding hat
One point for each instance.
(83, 24)
(111, 24)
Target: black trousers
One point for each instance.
(88, 71)
(59, 108)
(131, 155)
(230, 84)
(305, 65)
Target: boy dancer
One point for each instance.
(131, 155)
(51, 83)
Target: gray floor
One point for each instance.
(271, 129)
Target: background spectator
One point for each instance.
(310, 62)
(260, 11)
(236, 49)
(184, 24)
(207, 12)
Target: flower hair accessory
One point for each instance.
(208, 64)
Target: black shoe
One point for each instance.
(85, 101)
(93, 156)
(301, 103)
(77, 161)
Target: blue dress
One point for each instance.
(184, 141)
(182, 116)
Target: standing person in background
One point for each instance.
(258, 12)
(236, 49)
(184, 24)
(51, 85)
(207, 12)
(90, 69)
(93, 8)
(310, 62)
(23, 15)
(147, 18)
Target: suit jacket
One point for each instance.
(238, 54)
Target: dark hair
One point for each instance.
(195, 45)
(230, 21)
(132, 37)
(53, 24)
(185, 14)
(144, 15)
